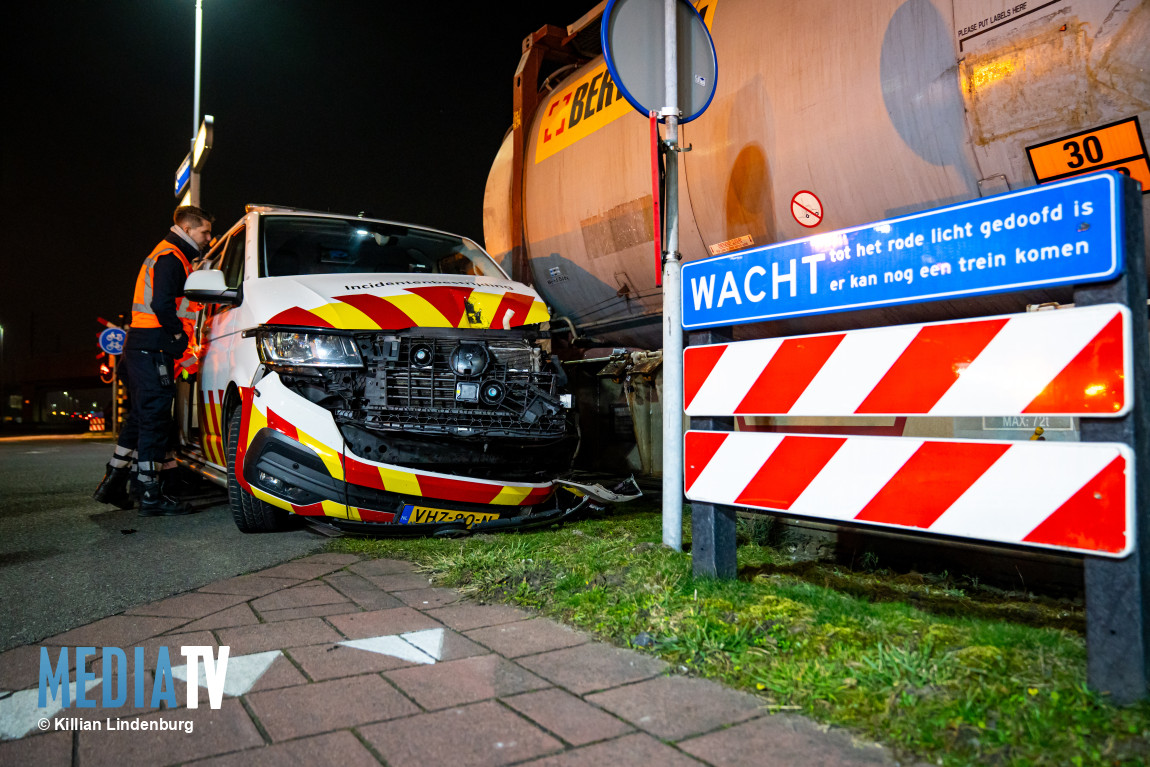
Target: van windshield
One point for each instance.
(313, 245)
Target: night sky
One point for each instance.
(396, 109)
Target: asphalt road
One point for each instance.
(66, 560)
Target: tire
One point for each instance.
(251, 514)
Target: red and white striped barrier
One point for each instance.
(1068, 496)
(1064, 362)
(95, 424)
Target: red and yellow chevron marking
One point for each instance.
(211, 427)
(251, 421)
(437, 306)
(379, 477)
(1070, 362)
(327, 508)
(1063, 495)
(370, 515)
(332, 458)
(406, 482)
(248, 429)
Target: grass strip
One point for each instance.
(896, 659)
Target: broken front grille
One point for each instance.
(460, 386)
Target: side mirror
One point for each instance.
(207, 287)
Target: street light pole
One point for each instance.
(194, 181)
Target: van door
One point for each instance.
(189, 401)
(219, 332)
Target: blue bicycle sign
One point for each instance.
(112, 340)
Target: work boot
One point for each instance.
(153, 502)
(174, 484)
(113, 488)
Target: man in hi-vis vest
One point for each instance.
(157, 338)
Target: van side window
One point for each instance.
(232, 264)
(211, 260)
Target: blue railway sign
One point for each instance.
(1063, 233)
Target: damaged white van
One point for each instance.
(374, 376)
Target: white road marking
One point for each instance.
(243, 671)
(428, 640)
(424, 647)
(19, 712)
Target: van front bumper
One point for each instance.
(292, 455)
(292, 476)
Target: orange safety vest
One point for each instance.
(142, 314)
(189, 364)
(187, 310)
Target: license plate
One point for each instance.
(422, 515)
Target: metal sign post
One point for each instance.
(672, 309)
(674, 75)
(193, 197)
(1118, 591)
(112, 343)
(188, 173)
(114, 416)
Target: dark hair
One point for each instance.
(190, 215)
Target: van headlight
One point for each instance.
(289, 347)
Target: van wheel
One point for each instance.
(251, 514)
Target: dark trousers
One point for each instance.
(148, 426)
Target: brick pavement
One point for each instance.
(347, 661)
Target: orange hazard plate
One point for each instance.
(1118, 146)
(423, 515)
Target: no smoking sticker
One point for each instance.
(807, 209)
